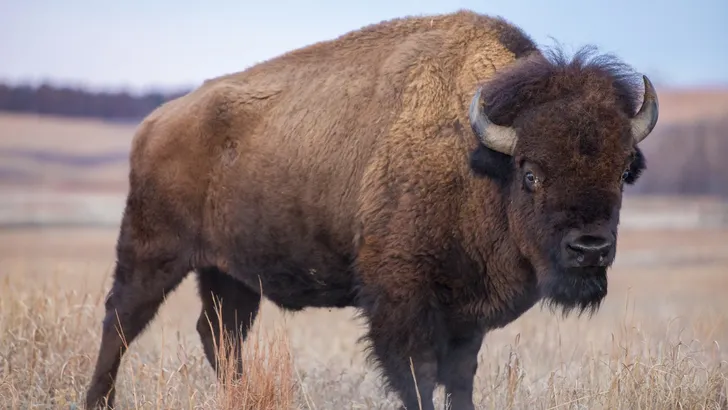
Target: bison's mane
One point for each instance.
(551, 75)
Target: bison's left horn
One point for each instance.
(646, 118)
(496, 137)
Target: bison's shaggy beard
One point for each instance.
(581, 289)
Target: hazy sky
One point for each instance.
(138, 44)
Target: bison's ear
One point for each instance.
(492, 164)
(639, 163)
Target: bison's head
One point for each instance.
(561, 139)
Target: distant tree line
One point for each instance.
(74, 102)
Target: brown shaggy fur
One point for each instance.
(342, 174)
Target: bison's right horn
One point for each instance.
(646, 118)
(496, 137)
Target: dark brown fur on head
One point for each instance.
(572, 118)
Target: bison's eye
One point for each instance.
(625, 174)
(530, 180)
(532, 175)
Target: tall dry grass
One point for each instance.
(49, 344)
(268, 376)
(640, 367)
(50, 338)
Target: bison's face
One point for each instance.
(565, 194)
(562, 176)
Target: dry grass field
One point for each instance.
(659, 341)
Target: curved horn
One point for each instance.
(646, 118)
(496, 137)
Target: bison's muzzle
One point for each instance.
(591, 249)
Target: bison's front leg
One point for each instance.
(407, 332)
(402, 343)
(403, 251)
(457, 369)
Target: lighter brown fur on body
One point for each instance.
(372, 118)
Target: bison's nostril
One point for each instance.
(589, 250)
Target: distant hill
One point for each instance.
(687, 158)
(686, 154)
(73, 102)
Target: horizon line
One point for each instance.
(151, 88)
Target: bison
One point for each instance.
(440, 174)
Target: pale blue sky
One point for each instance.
(138, 44)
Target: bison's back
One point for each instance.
(271, 167)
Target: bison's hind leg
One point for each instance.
(146, 271)
(238, 305)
